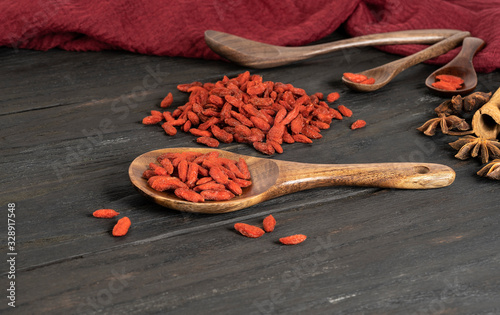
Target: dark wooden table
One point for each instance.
(71, 126)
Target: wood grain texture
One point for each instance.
(369, 250)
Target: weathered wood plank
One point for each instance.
(70, 126)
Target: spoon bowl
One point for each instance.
(385, 73)
(461, 66)
(260, 55)
(274, 178)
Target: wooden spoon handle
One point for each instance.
(300, 176)
(428, 36)
(470, 47)
(427, 53)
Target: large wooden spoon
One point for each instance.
(385, 73)
(274, 178)
(461, 66)
(255, 54)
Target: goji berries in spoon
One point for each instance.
(385, 73)
(274, 178)
(460, 67)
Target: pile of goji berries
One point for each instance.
(247, 109)
(121, 227)
(268, 225)
(197, 177)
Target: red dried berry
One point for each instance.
(105, 213)
(358, 124)
(269, 223)
(368, 81)
(152, 120)
(249, 230)
(356, 78)
(189, 195)
(293, 239)
(332, 97)
(122, 226)
(345, 111)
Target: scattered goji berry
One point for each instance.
(269, 223)
(293, 239)
(105, 213)
(358, 124)
(167, 101)
(345, 111)
(332, 97)
(151, 120)
(121, 227)
(249, 230)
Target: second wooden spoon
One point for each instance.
(255, 54)
(461, 66)
(274, 178)
(385, 73)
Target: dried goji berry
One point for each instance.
(443, 85)
(221, 134)
(249, 230)
(105, 213)
(233, 187)
(169, 129)
(189, 195)
(332, 97)
(269, 223)
(301, 138)
(167, 101)
(217, 195)
(293, 239)
(163, 183)
(264, 147)
(345, 111)
(450, 78)
(212, 185)
(121, 227)
(358, 124)
(368, 81)
(276, 146)
(208, 141)
(218, 175)
(151, 120)
(356, 78)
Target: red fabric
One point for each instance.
(175, 28)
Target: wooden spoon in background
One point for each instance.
(274, 178)
(385, 73)
(461, 66)
(259, 55)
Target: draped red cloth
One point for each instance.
(175, 28)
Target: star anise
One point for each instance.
(446, 123)
(459, 105)
(473, 146)
(491, 170)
